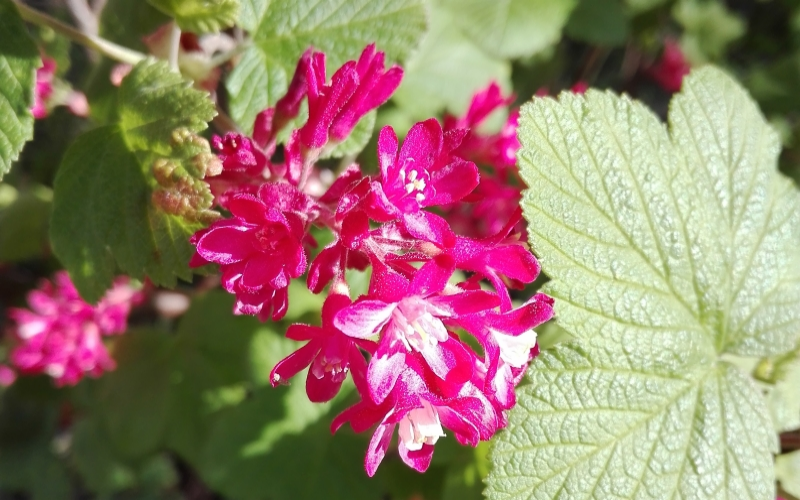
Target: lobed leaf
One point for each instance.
(666, 251)
(340, 28)
(19, 59)
(102, 211)
(614, 421)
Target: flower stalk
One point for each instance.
(105, 47)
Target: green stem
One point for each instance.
(110, 49)
(220, 59)
(174, 46)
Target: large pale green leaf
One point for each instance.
(102, 210)
(511, 28)
(19, 59)
(666, 250)
(788, 471)
(446, 70)
(634, 419)
(200, 16)
(340, 28)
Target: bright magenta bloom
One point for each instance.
(61, 335)
(399, 341)
(356, 88)
(421, 406)
(423, 173)
(329, 352)
(260, 249)
(669, 71)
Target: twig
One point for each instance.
(224, 123)
(110, 49)
(84, 16)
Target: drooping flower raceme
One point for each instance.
(403, 341)
(62, 336)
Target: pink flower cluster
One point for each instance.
(44, 87)
(404, 342)
(62, 336)
(50, 92)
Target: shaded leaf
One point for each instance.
(511, 28)
(601, 22)
(446, 71)
(23, 224)
(102, 210)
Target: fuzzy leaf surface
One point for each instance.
(340, 28)
(19, 59)
(666, 250)
(102, 211)
(200, 16)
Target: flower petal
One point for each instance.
(363, 319)
(226, 244)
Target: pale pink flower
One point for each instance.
(62, 335)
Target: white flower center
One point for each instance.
(414, 181)
(515, 350)
(420, 426)
(417, 327)
(323, 366)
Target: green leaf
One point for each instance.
(132, 402)
(787, 468)
(601, 22)
(126, 23)
(464, 479)
(666, 250)
(29, 412)
(278, 442)
(211, 360)
(511, 28)
(19, 59)
(639, 6)
(635, 420)
(340, 28)
(102, 209)
(446, 71)
(96, 459)
(200, 16)
(23, 224)
(251, 12)
(709, 27)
